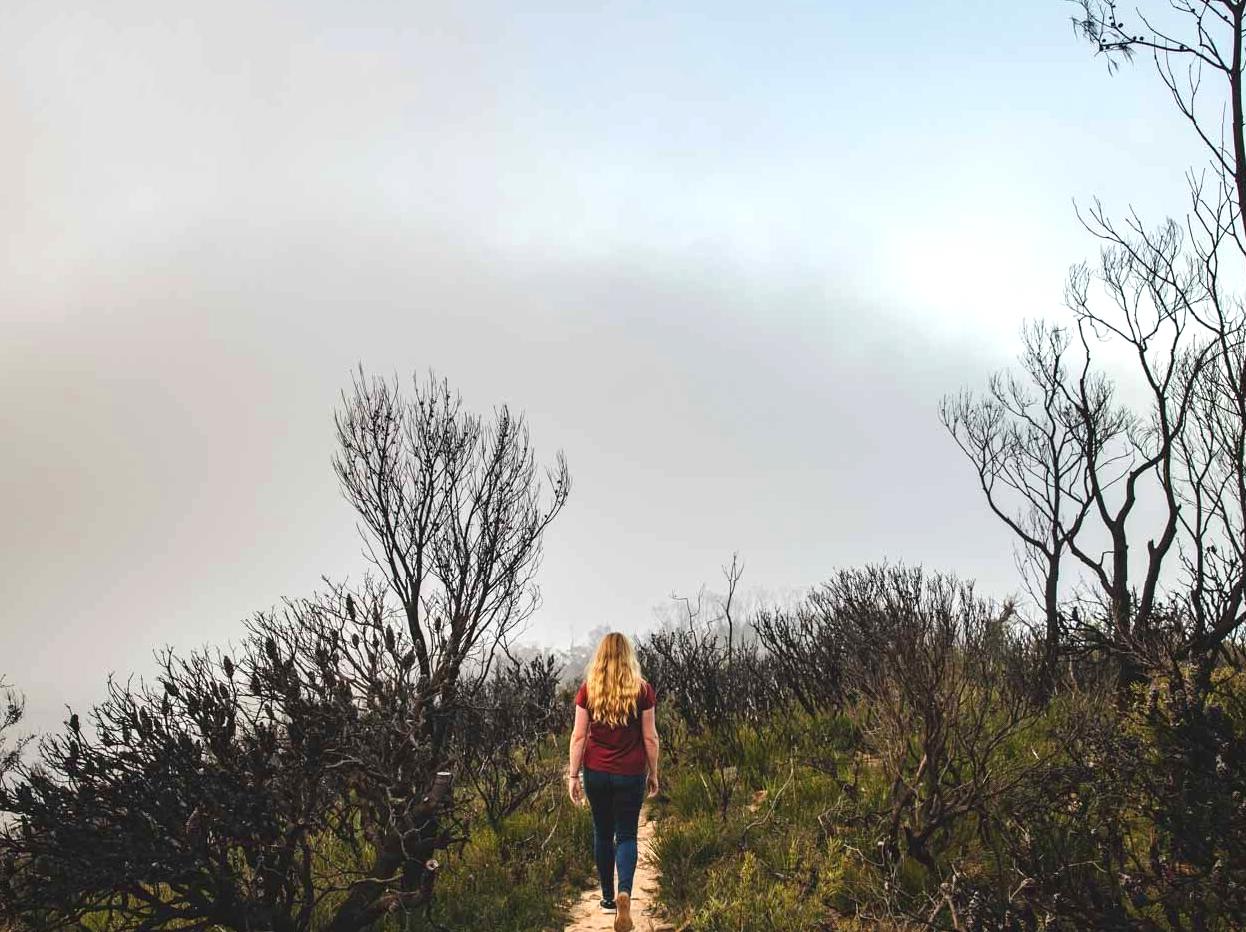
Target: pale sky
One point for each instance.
(727, 257)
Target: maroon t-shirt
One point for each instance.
(617, 748)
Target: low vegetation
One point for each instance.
(933, 785)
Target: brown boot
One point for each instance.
(623, 918)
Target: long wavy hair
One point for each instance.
(614, 680)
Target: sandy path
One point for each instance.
(588, 916)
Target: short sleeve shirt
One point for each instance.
(617, 748)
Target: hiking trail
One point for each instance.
(587, 914)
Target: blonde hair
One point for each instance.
(614, 680)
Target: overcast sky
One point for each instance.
(726, 256)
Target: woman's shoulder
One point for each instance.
(648, 696)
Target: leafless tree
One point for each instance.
(1166, 297)
(1194, 274)
(453, 512)
(1023, 438)
(1189, 40)
(1214, 505)
(1149, 293)
(732, 575)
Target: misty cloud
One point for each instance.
(729, 289)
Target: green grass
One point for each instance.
(520, 879)
(766, 863)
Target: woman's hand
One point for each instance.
(651, 783)
(574, 789)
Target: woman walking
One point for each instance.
(615, 738)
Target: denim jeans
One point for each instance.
(615, 799)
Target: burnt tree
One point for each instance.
(1161, 473)
(453, 512)
(1022, 437)
(282, 786)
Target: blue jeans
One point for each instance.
(615, 799)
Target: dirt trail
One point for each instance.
(588, 916)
